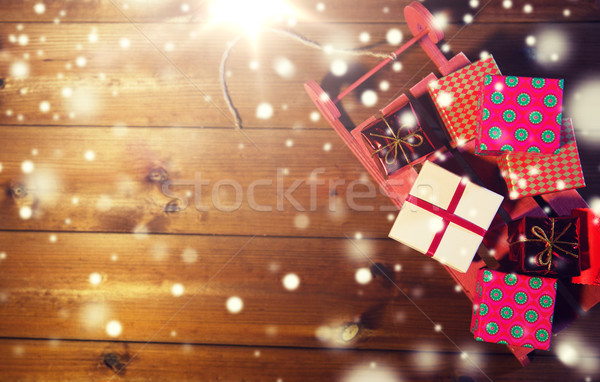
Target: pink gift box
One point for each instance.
(513, 309)
(519, 114)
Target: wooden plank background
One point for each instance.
(136, 108)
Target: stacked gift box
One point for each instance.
(518, 120)
(517, 124)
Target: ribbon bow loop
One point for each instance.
(552, 244)
(397, 142)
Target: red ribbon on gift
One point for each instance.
(447, 216)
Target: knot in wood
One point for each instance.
(158, 175)
(350, 331)
(173, 206)
(113, 362)
(2, 83)
(18, 191)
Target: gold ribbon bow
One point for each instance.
(544, 258)
(397, 143)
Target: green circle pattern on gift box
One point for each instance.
(482, 147)
(511, 81)
(521, 298)
(523, 99)
(496, 294)
(492, 328)
(483, 309)
(503, 342)
(538, 83)
(497, 98)
(495, 132)
(536, 117)
(507, 147)
(548, 136)
(546, 301)
(509, 115)
(521, 134)
(542, 335)
(559, 118)
(531, 316)
(487, 79)
(487, 276)
(533, 149)
(528, 346)
(550, 100)
(486, 114)
(510, 279)
(516, 331)
(506, 312)
(561, 83)
(535, 282)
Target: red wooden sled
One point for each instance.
(572, 298)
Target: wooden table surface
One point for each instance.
(133, 213)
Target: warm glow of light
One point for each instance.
(250, 15)
(114, 328)
(234, 304)
(177, 290)
(291, 281)
(95, 278)
(363, 276)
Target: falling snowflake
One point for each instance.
(177, 290)
(264, 111)
(364, 37)
(114, 328)
(234, 305)
(95, 278)
(394, 36)
(339, 67)
(291, 281)
(363, 276)
(284, 67)
(368, 98)
(39, 8)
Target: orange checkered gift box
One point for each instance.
(528, 175)
(456, 98)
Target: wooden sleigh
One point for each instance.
(572, 299)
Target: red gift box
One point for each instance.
(545, 246)
(590, 246)
(513, 309)
(396, 140)
(456, 99)
(519, 114)
(528, 175)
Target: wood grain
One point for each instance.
(379, 11)
(59, 360)
(123, 122)
(121, 190)
(148, 84)
(46, 292)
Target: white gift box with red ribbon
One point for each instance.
(445, 216)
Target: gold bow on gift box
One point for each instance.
(397, 143)
(552, 243)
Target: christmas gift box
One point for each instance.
(545, 246)
(589, 240)
(445, 216)
(397, 140)
(519, 114)
(456, 99)
(513, 309)
(528, 175)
